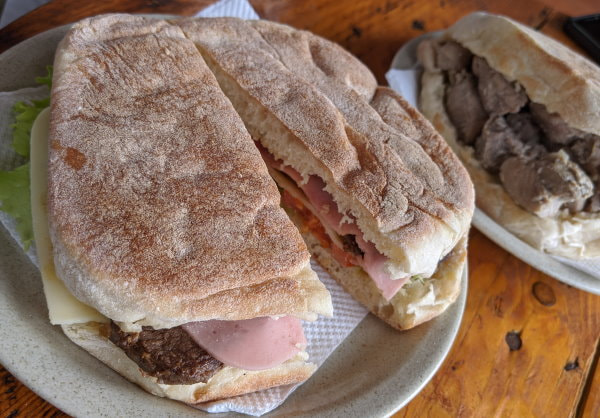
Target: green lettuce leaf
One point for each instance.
(25, 116)
(14, 185)
(15, 200)
(47, 79)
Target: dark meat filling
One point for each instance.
(452, 56)
(545, 165)
(524, 127)
(586, 151)
(498, 95)
(503, 137)
(557, 132)
(170, 355)
(543, 186)
(350, 245)
(593, 204)
(464, 107)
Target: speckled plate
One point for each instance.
(406, 59)
(374, 372)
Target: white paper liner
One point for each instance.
(406, 82)
(230, 8)
(323, 335)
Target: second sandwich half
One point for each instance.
(381, 200)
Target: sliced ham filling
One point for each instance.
(263, 343)
(251, 344)
(371, 260)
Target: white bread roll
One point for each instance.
(317, 108)
(161, 210)
(552, 75)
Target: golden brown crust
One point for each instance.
(226, 383)
(157, 195)
(455, 192)
(293, 91)
(552, 74)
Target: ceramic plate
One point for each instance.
(406, 59)
(374, 372)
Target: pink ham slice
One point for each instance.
(251, 344)
(328, 209)
(373, 261)
(313, 189)
(272, 162)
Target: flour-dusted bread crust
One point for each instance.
(228, 382)
(161, 209)
(418, 301)
(310, 103)
(538, 60)
(552, 74)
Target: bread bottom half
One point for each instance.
(573, 236)
(228, 382)
(418, 301)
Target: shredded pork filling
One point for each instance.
(545, 166)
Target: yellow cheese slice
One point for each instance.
(63, 307)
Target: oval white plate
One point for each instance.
(406, 59)
(374, 372)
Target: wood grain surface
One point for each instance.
(525, 348)
(528, 344)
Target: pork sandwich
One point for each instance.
(522, 112)
(379, 197)
(163, 218)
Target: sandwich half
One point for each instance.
(163, 219)
(382, 201)
(522, 112)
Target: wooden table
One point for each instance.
(555, 371)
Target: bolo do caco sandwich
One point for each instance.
(382, 202)
(522, 112)
(162, 215)
(164, 221)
